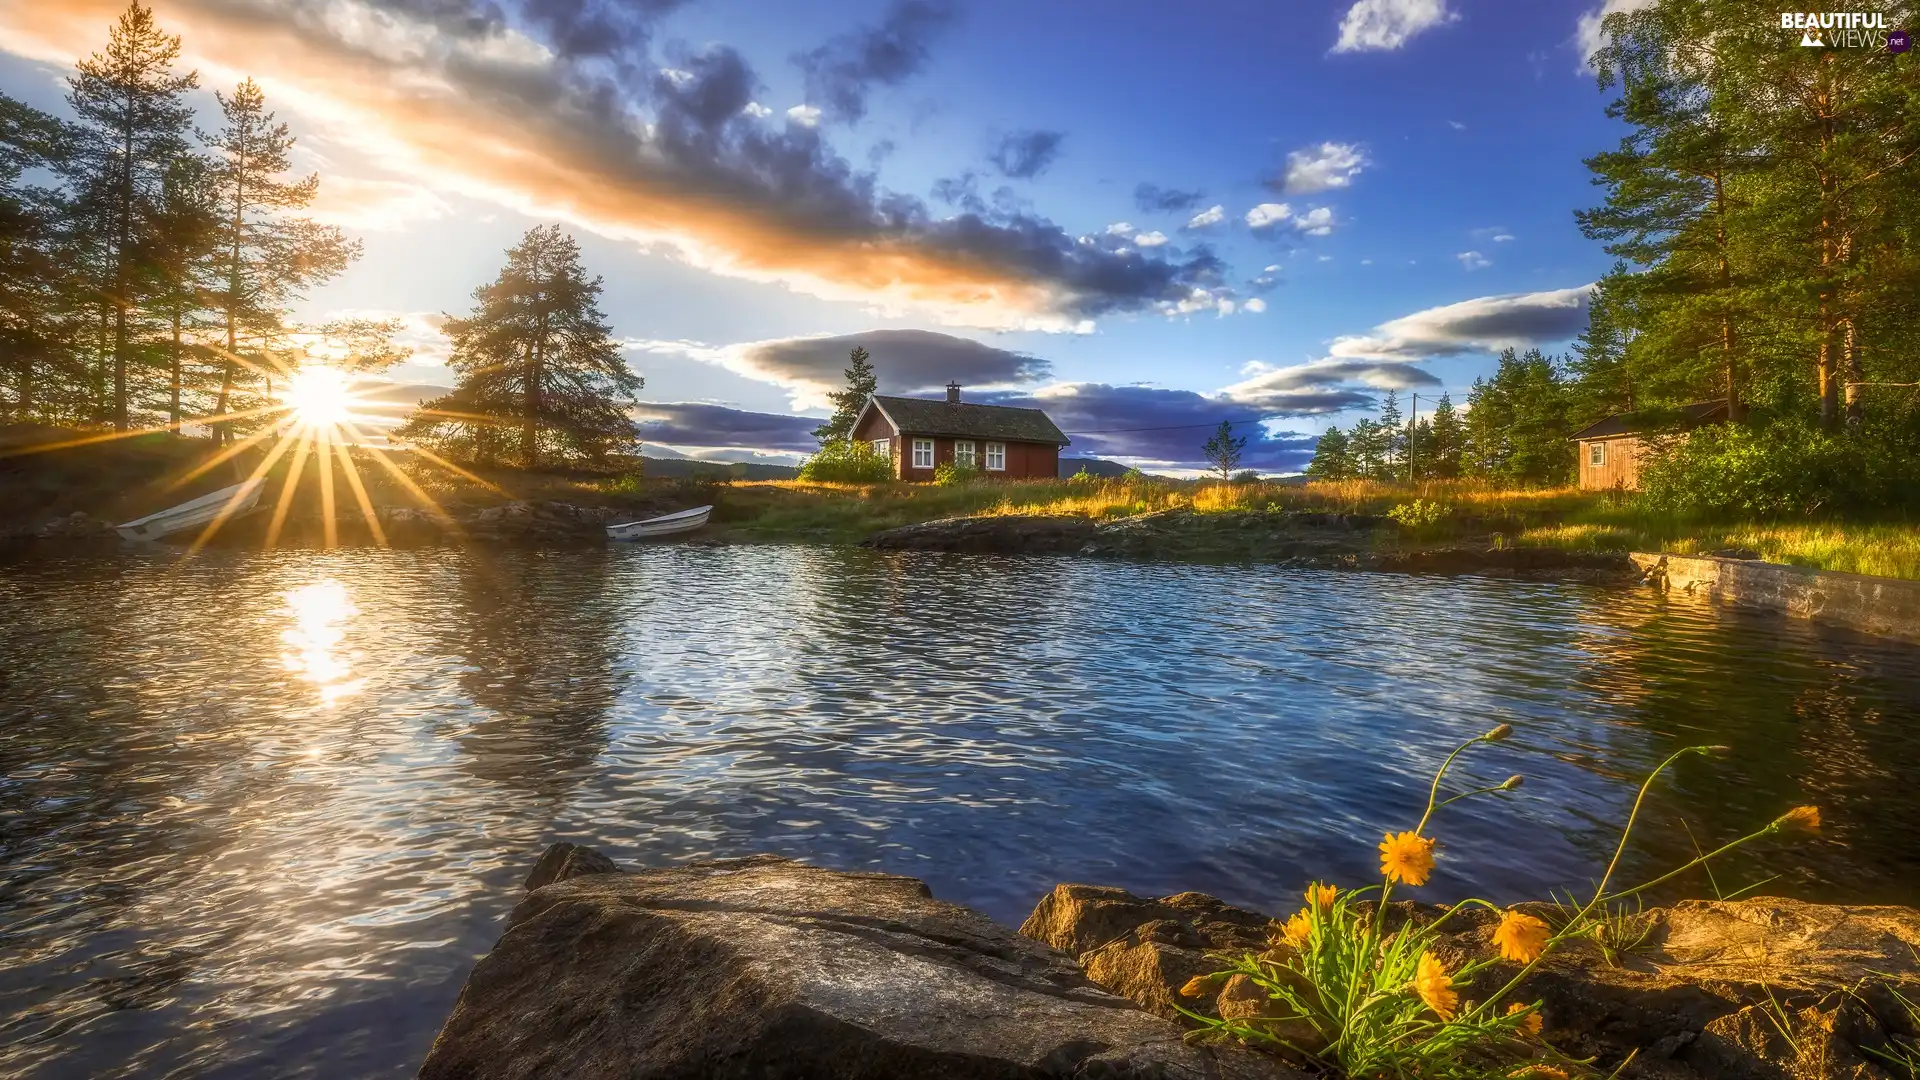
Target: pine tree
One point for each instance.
(861, 383)
(134, 118)
(1331, 460)
(1444, 441)
(1393, 439)
(1366, 449)
(537, 359)
(178, 258)
(35, 283)
(268, 258)
(1223, 451)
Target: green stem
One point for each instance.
(1677, 871)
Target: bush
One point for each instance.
(1782, 469)
(952, 475)
(1352, 991)
(1247, 476)
(1419, 516)
(1083, 477)
(847, 462)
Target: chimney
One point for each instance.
(953, 393)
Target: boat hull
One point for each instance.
(671, 525)
(227, 502)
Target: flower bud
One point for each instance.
(1498, 733)
(1513, 781)
(1806, 818)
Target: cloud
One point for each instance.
(1151, 239)
(1482, 325)
(1154, 199)
(1388, 24)
(1207, 219)
(374, 205)
(904, 361)
(692, 423)
(1456, 125)
(1589, 33)
(1473, 260)
(1320, 168)
(1502, 238)
(1315, 222)
(1165, 427)
(1255, 305)
(841, 72)
(804, 115)
(452, 96)
(1024, 155)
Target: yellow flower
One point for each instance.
(1800, 817)
(1538, 1072)
(1499, 733)
(1321, 896)
(1406, 857)
(1532, 1024)
(1297, 930)
(1435, 986)
(1199, 985)
(1522, 938)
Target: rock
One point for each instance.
(1759, 989)
(768, 968)
(76, 526)
(539, 522)
(563, 861)
(1010, 534)
(1745, 554)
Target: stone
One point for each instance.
(563, 861)
(76, 526)
(770, 969)
(1757, 989)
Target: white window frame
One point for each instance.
(996, 457)
(923, 453)
(883, 447)
(1597, 454)
(966, 454)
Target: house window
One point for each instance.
(1596, 454)
(996, 457)
(883, 447)
(963, 454)
(923, 453)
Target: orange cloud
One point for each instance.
(490, 113)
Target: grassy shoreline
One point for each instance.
(120, 479)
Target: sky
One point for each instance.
(1143, 217)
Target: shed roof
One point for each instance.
(1686, 416)
(916, 416)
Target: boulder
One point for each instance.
(1758, 989)
(771, 969)
(539, 522)
(76, 526)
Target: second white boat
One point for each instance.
(684, 521)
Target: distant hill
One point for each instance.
(680, 468)
(1096, 466)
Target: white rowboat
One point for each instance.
(684, 521)
(194, 512)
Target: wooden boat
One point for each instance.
(684, 521)
(196, 512)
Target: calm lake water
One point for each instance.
(260, 813)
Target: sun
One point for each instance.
(320, 397)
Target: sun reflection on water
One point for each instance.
(320, 613)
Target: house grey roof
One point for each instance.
(1686, 416)
(914, 416)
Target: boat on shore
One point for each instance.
(228, 502)
(668, 525)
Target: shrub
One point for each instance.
(1083, 477)
(1247, 476)
(1782, 469)
(952, 475)
(844, 461)
(1419, 516)
(1340, 989)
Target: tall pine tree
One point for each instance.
(847, 403)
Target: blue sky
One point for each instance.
(960, 182)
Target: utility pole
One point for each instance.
(1413, 420)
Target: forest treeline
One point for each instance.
(1763, 208)
(149, 267)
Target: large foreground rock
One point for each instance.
(775, 970)
(1760, 989)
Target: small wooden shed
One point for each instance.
(1611, 449)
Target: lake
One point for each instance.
(260, 813)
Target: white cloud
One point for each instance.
(805, 115)
(1502, 238)
(1268, 214)
(1589, 34)
(374, 205)
(1473, 260)
(1325, 258)
(757, 110)
(1320, 168)
(1456, 125)
(1366, 262)
(1151, 239)
(1120, 228)
(1315, 222)
(1224, 306)
(1208, 218)
(1484, 324)
(1255, 305)
(1388, 24)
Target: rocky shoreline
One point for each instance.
(764, 967)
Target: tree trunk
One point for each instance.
(238, 220)
(173, 388)
(1851, 369)
(530, 427)
(1829, 382)
(1726, 288)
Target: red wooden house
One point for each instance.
(919, 436)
